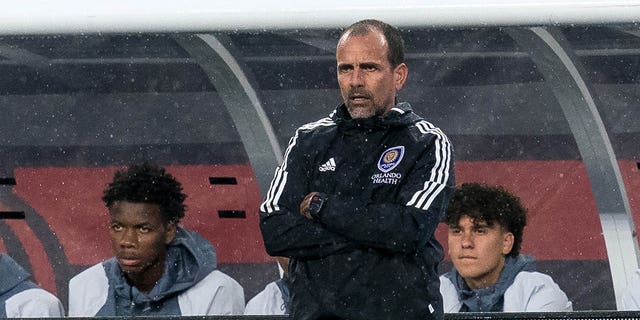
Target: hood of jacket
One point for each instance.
(490, 298)
(400, 115)
(11, 274)
(190, 258)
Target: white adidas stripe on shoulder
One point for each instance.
(279, 181)
(439, 174)
(398, 110)
(427, 127)
(324, 122)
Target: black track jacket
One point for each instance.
(372, 253)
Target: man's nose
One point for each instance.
(128, 238)
(467, 240)
(357, 78)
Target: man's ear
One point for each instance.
(400, 74)
(170, 232)
(507, 243)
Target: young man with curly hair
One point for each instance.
(159, 268)
(485, 232)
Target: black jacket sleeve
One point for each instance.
(285, 231)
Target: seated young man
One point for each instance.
(485, 232)
(274, 299)
(159, 268)
(21, 298)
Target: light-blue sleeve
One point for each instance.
(216, 294)
(33, 303)
(535, 292)
(88, 292)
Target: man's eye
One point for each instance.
(144, 229)
(115, 227)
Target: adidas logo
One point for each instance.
(328, 166)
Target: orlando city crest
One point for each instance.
(390, 158)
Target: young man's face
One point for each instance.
(139, 239)
(367, 80)
(478, 251)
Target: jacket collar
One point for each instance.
(400, 115)
(490, 298)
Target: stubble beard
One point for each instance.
(363, 111)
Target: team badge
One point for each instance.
(390, 158)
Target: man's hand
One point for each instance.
(304, 205)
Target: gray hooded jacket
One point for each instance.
(19, 297)
(519, 289)
(189, 286)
